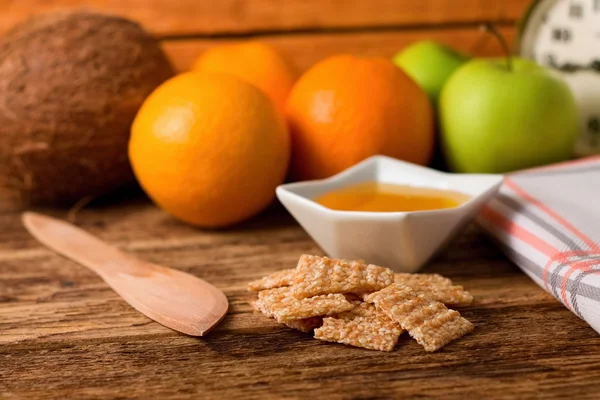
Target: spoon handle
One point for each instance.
(75, 243)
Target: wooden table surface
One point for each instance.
(65, 334)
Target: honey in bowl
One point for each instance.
(388, 197)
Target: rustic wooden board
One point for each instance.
(202, 17)
(306, 49)
(65, 334)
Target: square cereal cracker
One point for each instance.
(279, 304)
(397, 301)
(428, 321)
(322, 275)
(434, 326)
(358, 332)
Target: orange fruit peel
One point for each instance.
(210, 149)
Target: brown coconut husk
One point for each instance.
(70, 86)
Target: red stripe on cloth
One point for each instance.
(586, 160)
(520, 191)
(554, 255)
(559, 257)
(583, 266)
(518, 231)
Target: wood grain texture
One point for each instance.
(306, 49)
(65, 334)
(203, 17)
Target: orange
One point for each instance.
(345, 109)
(209, 149)
(254, 62)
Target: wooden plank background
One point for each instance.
(306, 30)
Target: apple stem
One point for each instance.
(491, 28)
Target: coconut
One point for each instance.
(70, 86)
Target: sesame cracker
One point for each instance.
(426, 320)
(279, 304)
(398, 301)
(358, 332)
(322, 275)
(434, 326)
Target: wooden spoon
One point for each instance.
(173, 298)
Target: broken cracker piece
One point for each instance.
(305, 325)
(426, 320)
(322, 275)
(358, 332)
(275, 280)
(279, 304)
(439, 287)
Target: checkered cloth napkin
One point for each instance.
(547, 221)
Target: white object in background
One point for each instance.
(564, 35)
(585, 85)
(403, 241)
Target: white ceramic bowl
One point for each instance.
(403, 241)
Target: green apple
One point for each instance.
(430, 64)
(496, 118)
